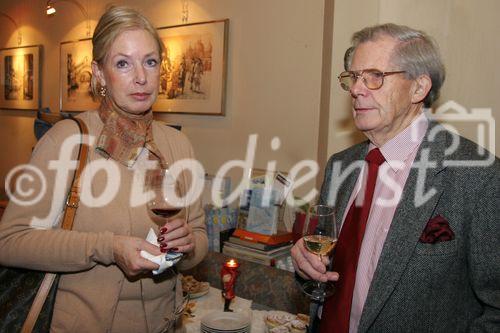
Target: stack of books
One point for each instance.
(261, 253)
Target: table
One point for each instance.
(214, 301)
(275, 288)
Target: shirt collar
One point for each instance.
(398, 149)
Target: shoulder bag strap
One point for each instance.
(73, 198)
(72, 202)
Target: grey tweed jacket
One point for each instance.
(450, 286)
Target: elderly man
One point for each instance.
(418, 249)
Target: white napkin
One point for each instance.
(166, 260)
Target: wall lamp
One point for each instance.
(51, 10)
(19, 36)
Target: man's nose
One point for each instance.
(358, 87)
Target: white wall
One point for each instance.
(467, 32)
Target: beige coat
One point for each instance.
(94, 295)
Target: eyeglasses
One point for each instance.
(372, 78)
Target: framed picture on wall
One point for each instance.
(75, 76)
(193, 70)
(20, 75)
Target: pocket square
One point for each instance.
(437, 230)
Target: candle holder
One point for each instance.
(228, 275)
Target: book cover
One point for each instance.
(255, 253)
(270, 253)
(263, 213)
(232, 252)
(256, 245)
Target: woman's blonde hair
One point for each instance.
(113, 22)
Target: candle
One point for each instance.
(228, 274)
(232, 263)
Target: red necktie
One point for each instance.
(337, 309)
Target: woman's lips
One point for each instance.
(140, 96)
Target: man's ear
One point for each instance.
(422, 86)
(98, 73)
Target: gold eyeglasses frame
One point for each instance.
(355, 75)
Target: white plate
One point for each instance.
(205, 330)
(209, 330)
(224, 331)
(225, 321)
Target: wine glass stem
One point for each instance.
(316, 299)
(313, 313)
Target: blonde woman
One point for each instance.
(106, 285)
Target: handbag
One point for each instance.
(27, 297)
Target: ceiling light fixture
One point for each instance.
(50, 10)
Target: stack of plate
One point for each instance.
(225, 322)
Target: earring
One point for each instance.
(102, 91)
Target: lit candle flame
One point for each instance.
(232, 263)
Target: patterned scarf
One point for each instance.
(125, 135)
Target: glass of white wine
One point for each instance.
(320, 238)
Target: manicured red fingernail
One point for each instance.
(163, 249)
(175, 249)
(163, 230)
(160, 239)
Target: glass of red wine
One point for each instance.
(165, 196)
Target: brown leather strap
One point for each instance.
(37, 305)
(73, 198)
(72, 202)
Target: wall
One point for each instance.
(273, 82)
(467, 33)
(284, 57)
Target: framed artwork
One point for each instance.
(75, 76)
(193, 70)
(20, 78)
(192, 76)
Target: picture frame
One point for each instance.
(75, 76)
(194, 68)
(20, 77)
(195, 48)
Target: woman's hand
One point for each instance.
(176, 235)
(309, 265)
(126, 251)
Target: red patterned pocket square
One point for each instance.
(437, 230)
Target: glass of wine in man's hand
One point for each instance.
(165, 197)
(320, 238)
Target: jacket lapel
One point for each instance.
(413, 212)
(336, 190)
